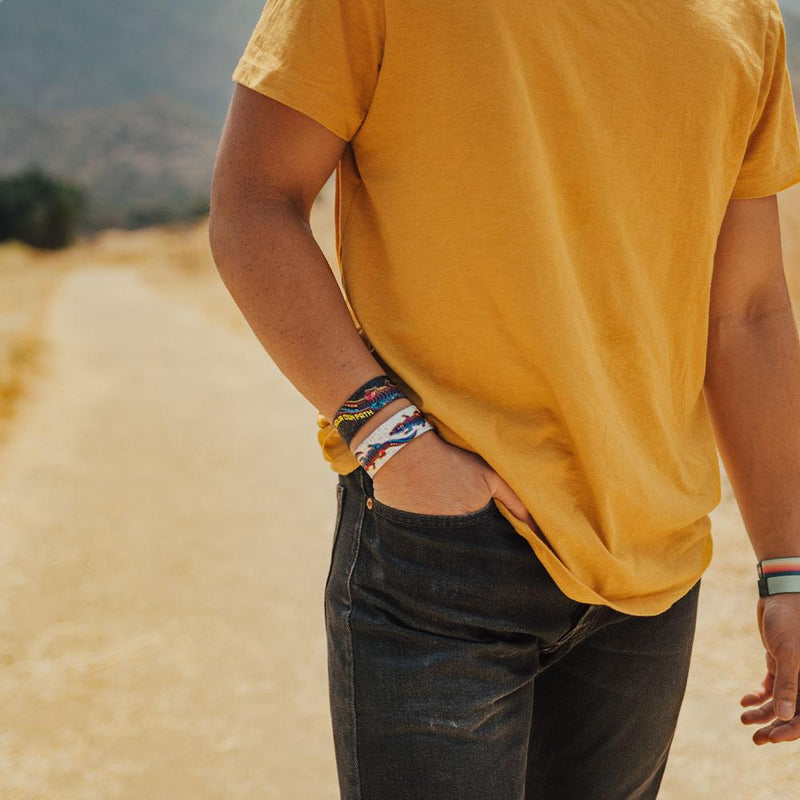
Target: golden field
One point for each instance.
(164, 541)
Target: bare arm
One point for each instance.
(272, 163)
(752, 389)
(752, 383)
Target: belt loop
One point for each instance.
(365, 481)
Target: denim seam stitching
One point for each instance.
(350, 651)
(340, 490)
(570, 634)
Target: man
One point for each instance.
(559, 243)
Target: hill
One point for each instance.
(136, 159)
(83, 54)
(128, 99)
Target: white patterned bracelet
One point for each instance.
(389, 438)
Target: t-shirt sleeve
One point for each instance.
(772, 157)
(321, 57)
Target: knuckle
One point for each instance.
(788, 650)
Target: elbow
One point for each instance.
(245, 223)
(222, 213)
(230, 217)
(217, 218)
(217, 239)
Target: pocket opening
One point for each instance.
(401, 516)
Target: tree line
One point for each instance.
(40, 210)
(47, 211)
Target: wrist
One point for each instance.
(411, 459)
(390, 437)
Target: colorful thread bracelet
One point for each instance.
(389, 438)
(778, 575)
(363, 404)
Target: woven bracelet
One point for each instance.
(363, 404)
(389, 438)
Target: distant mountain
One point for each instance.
(133, 158)
(59, 55)
(127, 98)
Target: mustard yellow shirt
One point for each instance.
(527, 212)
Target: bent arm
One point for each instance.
(271, 164)
(752, 380)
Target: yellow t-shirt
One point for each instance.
(527, 213)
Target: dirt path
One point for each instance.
(164, 541)
(160, 618)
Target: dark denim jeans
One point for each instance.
(458, 670)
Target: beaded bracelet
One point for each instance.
(363, 404)
(778, 575)
(389, 438)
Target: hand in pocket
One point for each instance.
(431, 476)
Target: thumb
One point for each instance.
(784, 695)
(506, 495)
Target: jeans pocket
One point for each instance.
(416, 519)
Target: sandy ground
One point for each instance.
(163, 547)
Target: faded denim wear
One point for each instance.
(458, 670)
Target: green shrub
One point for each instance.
(40, 210)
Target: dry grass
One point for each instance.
(28, 279)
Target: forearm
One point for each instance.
(276, 273)
(752, 390)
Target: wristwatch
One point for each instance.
(778, 575)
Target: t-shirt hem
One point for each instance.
(765, 186)
(643, 606)
(296, 94)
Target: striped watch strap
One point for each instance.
(778, 575)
